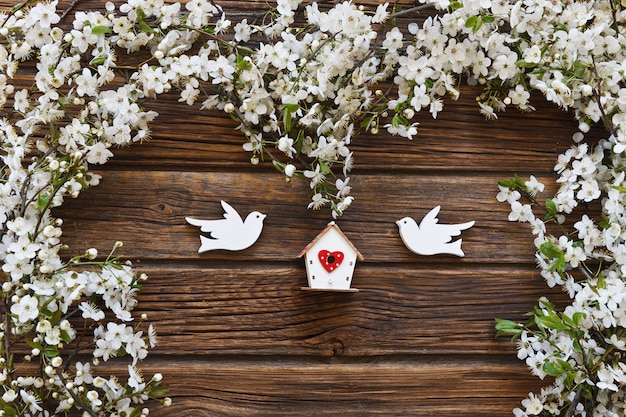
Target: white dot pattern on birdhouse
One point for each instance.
(330, 260)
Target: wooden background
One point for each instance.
(237, 336)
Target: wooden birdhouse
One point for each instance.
(330, 260)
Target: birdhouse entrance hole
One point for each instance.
(330, 260)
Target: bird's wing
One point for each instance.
(449, 230)
(216, 229)
(441, 233)
(430, 219)
(231, 214)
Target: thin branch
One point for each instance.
(69, 9)
(76, 398)
(410, 11)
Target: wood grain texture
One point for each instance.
(237, 336)
(147, 211)
(246, 309)
(305, 387)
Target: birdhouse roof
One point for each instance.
(331, 225)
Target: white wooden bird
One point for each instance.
(231, 232)
(430, 238)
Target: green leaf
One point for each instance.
(291, 107)
(552, 321)
(101, 30)
(280, 167)
(97, 61)
(619, 188)
(398, 120)
(547, 304)
(50, 351)
(298, 142)
(524, 64)
(288, 110)
(243, 64)
(577, 317)
(141, 15)
(366, 122)
(8, 410)
(550, 250)
(515, 183)
(325, 169)
(146, 28)
(456, 5)
(287, 121)
(136, 412)
(65, 336)
(553, 369)
(508, 327)
(42, 201)
(18, 6)
(488, 18)
(33, 345)
(158, 391)
(141, 19)
(579, 69)
(471, 22)
(551, 208)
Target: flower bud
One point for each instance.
(56, 33)
(290, 169)
(229, 108)
(56, 361)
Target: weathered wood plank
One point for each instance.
(459, 140)
(435, 387)
(250, 310)
(236, 334)
(147, 211)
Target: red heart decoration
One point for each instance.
(330, 260)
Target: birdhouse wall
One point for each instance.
(238, 337)
(320, 277)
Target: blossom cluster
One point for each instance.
(573, 54)
(302, 81)
(51, 132)
(581, 345)
(302, 90)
